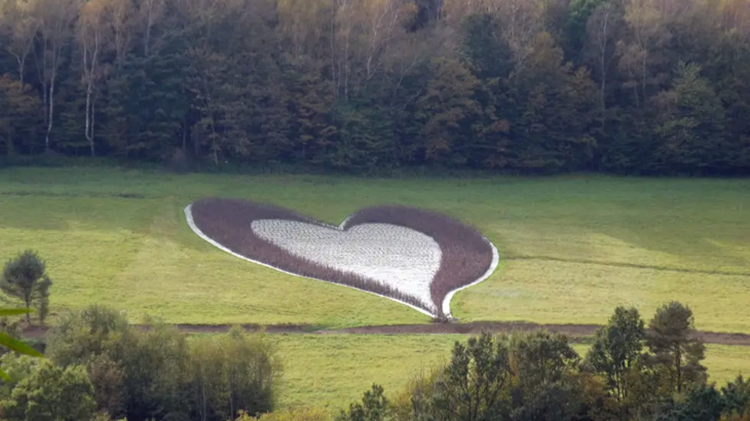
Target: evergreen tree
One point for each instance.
(26, 279)
(673, 347)
(691, 125)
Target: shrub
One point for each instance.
(49, 393)
(98, 338)
(81, 335)
(374, 407)
(139, 374)
(737, 399)
(297, 414)
(233, 372)
(179, 161)
(11, 328)
(154, 373)
(104, 416)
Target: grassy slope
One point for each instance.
(332, 370)
(572, 247)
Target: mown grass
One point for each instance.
(571, 247)
(330, 371)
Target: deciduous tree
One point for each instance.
(473, 385)
(50, 393)
(92, 35)
(19, 25)
(55, 19)
(617, 348)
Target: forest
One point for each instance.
(522, 86)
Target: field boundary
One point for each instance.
(627, 265)
(575, 332)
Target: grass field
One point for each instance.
(330, 371)
(572, 248)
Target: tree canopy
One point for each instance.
(530, 86)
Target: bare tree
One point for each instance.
(91, 33)
(602, 28)
(736, 15)
(521, 21)
(363, 37)
(20, 26)
(648, 33)
(119, 15)
(151, 11)
(55, 19)
(304, 26)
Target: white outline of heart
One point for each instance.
(446, 300)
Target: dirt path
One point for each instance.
(576, 332)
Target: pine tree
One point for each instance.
(674, 349)
(25, 278)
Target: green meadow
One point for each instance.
(572, 247)
(331, 371)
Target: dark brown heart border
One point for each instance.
(467, 256)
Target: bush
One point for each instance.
(134, 373)
(298, 414)
(374, 407)
(178, 162)
(81, 335)
(98, 338)
(231, 373)
(11, 328)
(46, 392)
(154, 373)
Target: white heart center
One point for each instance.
(402, 258)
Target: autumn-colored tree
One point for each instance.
(368, 85)
(445, 107)
(19, 26)
(19, 114)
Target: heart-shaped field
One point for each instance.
(413, 256)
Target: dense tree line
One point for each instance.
(627, 86)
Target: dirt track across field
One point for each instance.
(576, 332)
